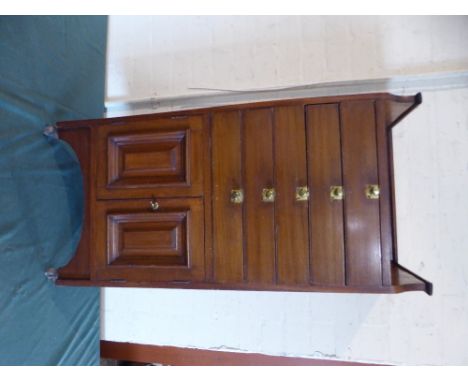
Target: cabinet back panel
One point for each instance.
(259, 215)
(227, 216)
(362, 215)
(291, 216)
(327, 255)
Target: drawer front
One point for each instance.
(160, 157)
(362, 213)
(327, 252)
(146, 240)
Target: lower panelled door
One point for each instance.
(150, 240)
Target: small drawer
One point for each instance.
(149, 240)
(157, 156)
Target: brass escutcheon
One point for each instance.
(302, 193)
(336, 193)
(268, 195)
(237, 196)
(372, 191)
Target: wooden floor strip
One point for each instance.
(177, 356)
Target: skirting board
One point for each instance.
(401, 85)
(177, 356)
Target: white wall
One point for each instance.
(166, 56)
(163, 57)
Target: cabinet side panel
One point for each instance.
(79, 266)
(362, 216)
(259, 214)
(327, 255)
(227, 216)
(291, 216)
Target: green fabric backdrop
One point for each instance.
(51, 69)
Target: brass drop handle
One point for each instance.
(372, 191)
(237, 196)
(336, 193)
(154, 205)
(302, 193)
(268, 195)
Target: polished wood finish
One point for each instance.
(228, 249)
(388, 241)
(397, 286)
(291, 216)
(177, 356)
(360, 168)
(259, 216)
(133, 242)
(158, 156)
(327, 252)
(144, 159)
(189, 162)
(410, 101)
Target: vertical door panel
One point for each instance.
(227, 216)
(363, 253)
(291, 216)
(259, 214)
(327, 256)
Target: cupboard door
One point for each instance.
(259, 204)
(228, 247)
(291, 215)
(327, 255)
(154, 156)
(360, 170)
(135, 242)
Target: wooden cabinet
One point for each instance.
(287, 195)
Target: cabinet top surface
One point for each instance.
(414, 99)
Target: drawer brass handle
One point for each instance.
(372, 191)
(268, 195)
(237, 196)
(154, 205)
(302, 193)
(336, 193)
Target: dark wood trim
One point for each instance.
(248, 105)
(428, 287)
(396, 287)
(417, 100)
(177, 356)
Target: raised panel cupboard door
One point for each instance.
(157, 156)
(362, 216)
(291, 216)
(136, 243)
(259, 209)
(228, 249)
(327, 255)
